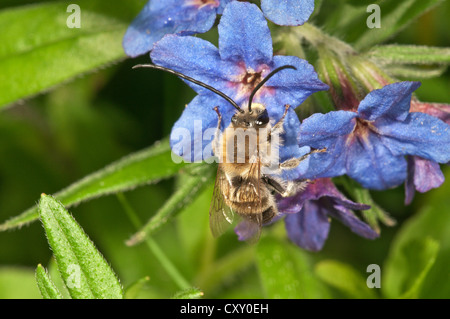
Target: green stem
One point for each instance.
(225, 267)
(171, 270)
(317, 37)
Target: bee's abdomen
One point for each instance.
(248, 199)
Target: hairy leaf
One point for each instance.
(84, 270)
(410, 54)
(46, 286)
(40, 49)
(147, 166)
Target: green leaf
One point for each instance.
(18, 283)
(39, 50)
(285, 271)
(190, 293)
(84, 270)
(198, 177)
(395, 15)
(407, 271)
(46, 286)
(135, 288)
(409, 54)
(349, 20)
(415, 72)
(54, 274)
(417, 264)
(421, 255)
(317, 6)
(344, 278)
(146, 166)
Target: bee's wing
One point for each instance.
(220, 215)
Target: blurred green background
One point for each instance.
(54, 139)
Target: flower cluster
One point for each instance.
(369, 144)
(186, 17)
(244, 57)
(380, 140)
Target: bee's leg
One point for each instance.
(269, 214)
(273, 184)
(278, 127)
(294, 162)
(216, 141)
(290, 189)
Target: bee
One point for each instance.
(246, 184)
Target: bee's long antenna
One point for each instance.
(154, 66)
(260, 84)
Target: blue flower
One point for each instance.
(288, 12)
(161, 17)
(424, 175)
(370, 144)
(243, 59)
(185, 17)
(307, 214)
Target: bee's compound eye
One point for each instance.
(234, 119)
(263, 118)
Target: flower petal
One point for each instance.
(427, 174)
(419, 134)
(423, 175)
(289, 147)
(246, 230)
(309, 228)
(328, 131)
(159, 18)
(439, 110)
(319, 188)
(330, 163)
(393, 101)
(410, 190)
(371, 163)
(291, 86)
(321, 130)
(288, 12)
(193, 133)
(222, 5)
(244, 35)
(346, 217)
(196, 58)
(324, 187)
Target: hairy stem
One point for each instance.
(171, 270)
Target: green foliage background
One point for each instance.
(65, 126)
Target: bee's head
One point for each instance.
(257, 117)
(254, 116)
